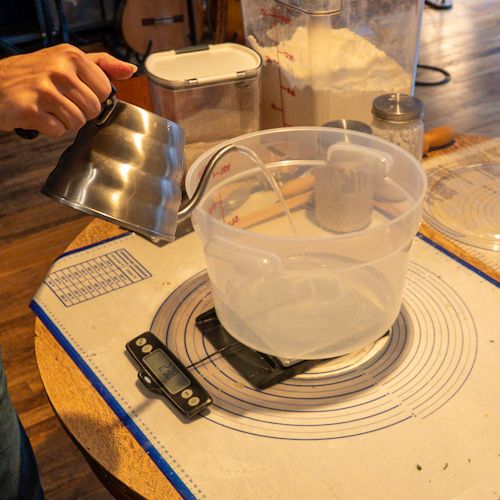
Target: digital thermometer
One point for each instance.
(161, 372)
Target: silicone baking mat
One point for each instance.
(463, 199)
(416, 415)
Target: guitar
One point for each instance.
(155, 25)
(234, 22)
(226, 20)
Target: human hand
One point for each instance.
(56, 89)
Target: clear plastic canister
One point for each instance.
(328, 59)
(211, 91)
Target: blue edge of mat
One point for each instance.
(125, 418)
(141, 438)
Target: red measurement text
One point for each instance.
(223, 169)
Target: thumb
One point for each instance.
(113, 67)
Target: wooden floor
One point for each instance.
(35, 230)
(466, 42)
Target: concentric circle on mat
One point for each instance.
(464, 203)
(409, 374)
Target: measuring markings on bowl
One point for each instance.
(223, 169)
(217, 204)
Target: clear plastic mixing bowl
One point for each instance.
(327, 277)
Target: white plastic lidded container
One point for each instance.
(211, 91)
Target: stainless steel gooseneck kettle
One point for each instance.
(126, 166)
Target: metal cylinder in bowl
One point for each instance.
(343, 192)
(355, 125)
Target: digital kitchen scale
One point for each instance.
(169, 378)
(260, 369)
(194, 312)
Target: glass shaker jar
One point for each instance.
(398, 118)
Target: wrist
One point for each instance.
(7, 107)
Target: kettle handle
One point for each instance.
(108, 107)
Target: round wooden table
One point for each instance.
(116, 457)
(118, 460)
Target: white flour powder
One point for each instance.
(320, 74)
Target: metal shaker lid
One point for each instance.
(397, 107)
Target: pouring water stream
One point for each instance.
(275, 187)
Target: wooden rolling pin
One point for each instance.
(273, 210)
(299, 191)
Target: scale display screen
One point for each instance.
(166, 371)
